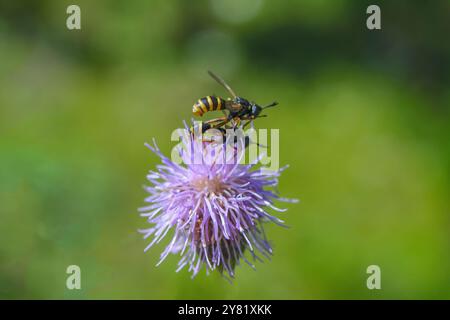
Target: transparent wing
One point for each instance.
(222, 82)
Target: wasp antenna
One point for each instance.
(273, 104)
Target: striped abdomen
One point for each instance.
(209, 103)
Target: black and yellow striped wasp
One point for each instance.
(239, 109)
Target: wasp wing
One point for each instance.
(222, 82)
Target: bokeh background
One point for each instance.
(363, 119)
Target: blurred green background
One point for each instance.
(363, 119)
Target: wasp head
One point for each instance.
(250, 109)
(255, 110)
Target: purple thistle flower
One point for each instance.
(216, 212)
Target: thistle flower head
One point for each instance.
(216, 212)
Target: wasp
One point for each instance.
(239, 109)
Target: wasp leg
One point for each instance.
(220, 119)
(247, 123)
(215, 123)
(236, 122)
(252, 117)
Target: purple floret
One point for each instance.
(216, 212)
